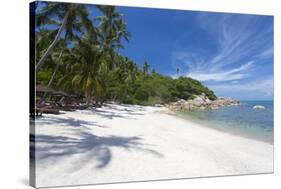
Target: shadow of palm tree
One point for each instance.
(109, 114)
(68, 122)
(112, 112)
(92, 146)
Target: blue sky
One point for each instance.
(230, 53)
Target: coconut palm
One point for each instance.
(107, 25)
(145, 68)
(70, 18)
(113, 29)
(178, 71)
(59, 62)
(90, 62)
(121, 33)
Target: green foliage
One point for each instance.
(141, 94)
(92, 68)
(186, 88)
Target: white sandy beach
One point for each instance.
(120, 143)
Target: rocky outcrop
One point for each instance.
(201, 102)
(223, 102)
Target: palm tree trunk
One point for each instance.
(56, 69)
(53, 44)
(52, 77)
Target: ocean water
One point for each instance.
(239, 120)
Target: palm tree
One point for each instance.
(43, 37)
(90, 62)
(112, 28)
(69, 18)
(145, 68)
(178, 70)
(120, 33)
(107, 24)
(59, 62)
(133, 71)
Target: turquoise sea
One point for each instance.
(239, 120)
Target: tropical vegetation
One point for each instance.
(79, 54)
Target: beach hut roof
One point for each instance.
(46, 89)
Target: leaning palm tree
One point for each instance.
(68, 17)
(59, 56)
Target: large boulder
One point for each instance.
(197, 101)
(201, 100)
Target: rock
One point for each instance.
(201, 102)
(258, 107)
(158, 105)
(202, 107)
(197, 101)
(225, 102)
(181, 101)
(208, 101)
(214, 107)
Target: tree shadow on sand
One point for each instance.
(91, 146)
(68, 122)
(124, 111)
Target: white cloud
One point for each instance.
(267, 53)
(215, 76)
(261, 87)
(238, 40)
(229, 75)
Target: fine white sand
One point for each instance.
(119, 143)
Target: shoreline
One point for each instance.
(109, 141)
(201, 123)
